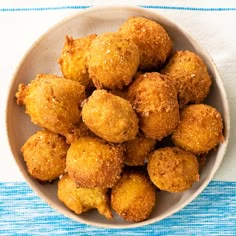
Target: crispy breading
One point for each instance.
(112, 61)
(152, 40)
(110, 117)
(45, 155)
(189, 74)
(173, 169)
(137, 150)
(133, 197)
(77, 131)
(73, 59)
(53, 103)
(92, 162)
(80, 199)
(154, 99)
(200, 129)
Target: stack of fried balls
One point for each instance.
(126, 120)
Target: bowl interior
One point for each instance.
(42, 58)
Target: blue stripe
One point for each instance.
(192, 8)
(182, 8)
(213, 212)
(43, 8)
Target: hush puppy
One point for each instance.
(80, 199)
(53, 103)
(112, 61)
(137, 150)
(73, 59)
(133, 197)
(110, 117)
(79, 130)
(152, 40)
(200, 129)
(173, 169)
(45, 155)
(92, 162)
(154, 99)
(189, 74)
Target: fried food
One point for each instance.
(91, 162)
(73, 59)
(45, 155)
(152, 40)
(133, 197)
(200, 129)
(137, 150)
(113, 133)
(53, 103)
(112, 61)
(110, 117)
(189, 74)
(79, 130)
(154, 99)
(173, 169)
(80, 199)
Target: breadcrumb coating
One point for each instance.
(92, 162)
(173, 169)
(113, 61)
(80, 199)
(136, 150)
(133, 197)
(53, 103)
(190, 75)
(73, 59)
(154, 99)
(110, 117)
(152, 40)
(45, 155)
(200, 129)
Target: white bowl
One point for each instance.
(42, 58)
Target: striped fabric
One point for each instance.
(213, 212)
(145, 6)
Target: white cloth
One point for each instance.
(210, 22)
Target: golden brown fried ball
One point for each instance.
(173, 169)
(45, 155)
(53, 103)
(137, 150)
(91, 162)
(190, 75)
(112, 61)
(79, 130)
(152, 40)
(133, 197)
(80, 199)
(73, 59)
(110, 117)
(200, 129)
(155, 100)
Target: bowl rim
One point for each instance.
(225, 103)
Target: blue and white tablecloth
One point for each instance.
(212, 24)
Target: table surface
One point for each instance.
(211, 23)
